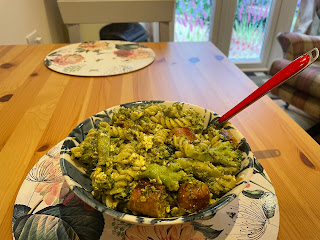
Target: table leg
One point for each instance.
(166, 31)
(74, 33)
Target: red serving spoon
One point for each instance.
(288, 72)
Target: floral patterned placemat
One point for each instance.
(45, 208)
(99, 58)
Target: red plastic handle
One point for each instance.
(289, 71)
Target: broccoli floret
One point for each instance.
(165, 175)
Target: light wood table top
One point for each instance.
(39, 107)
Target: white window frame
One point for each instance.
(281, 16)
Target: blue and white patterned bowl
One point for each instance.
(80, 183)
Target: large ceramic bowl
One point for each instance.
(80, 183)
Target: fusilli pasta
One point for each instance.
(146, 147)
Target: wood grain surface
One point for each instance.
(39, 107)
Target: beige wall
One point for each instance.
(18, 18)
(91, 32)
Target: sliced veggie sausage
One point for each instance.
(149, 199)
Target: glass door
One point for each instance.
(244, 30)
(256, 23)
(249, 29)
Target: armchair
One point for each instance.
(303, 90)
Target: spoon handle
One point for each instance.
(286, 73)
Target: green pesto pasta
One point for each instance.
(147, 155)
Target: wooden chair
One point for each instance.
(75, 12)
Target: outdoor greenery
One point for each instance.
(249, 29)
(192, 21)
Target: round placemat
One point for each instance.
(99, 58)
(45, 208)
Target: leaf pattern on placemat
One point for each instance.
(59, 222)
(47, 62)
(43, 227)
(65, 217)
(206, 230)
(19, 210)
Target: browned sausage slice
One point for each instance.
(193, 196)
(148, 199)
(186, 132)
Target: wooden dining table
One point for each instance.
(39, 107)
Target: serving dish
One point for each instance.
(80, 183)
